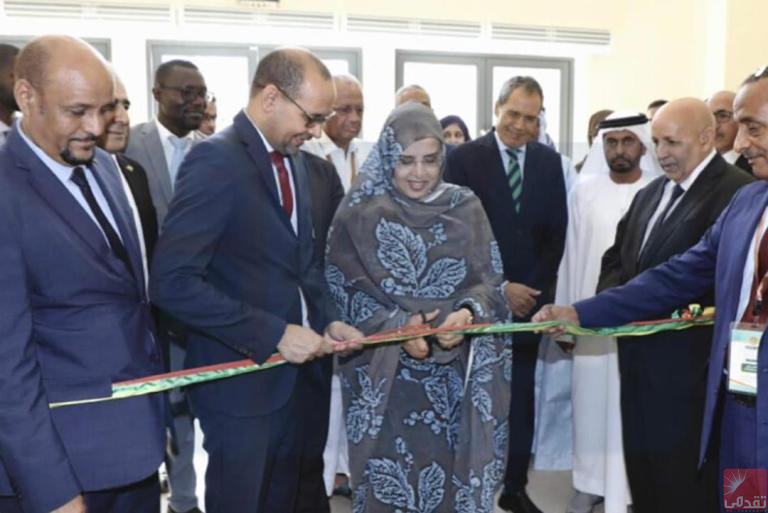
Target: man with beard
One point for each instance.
(236, 262)
(663, 376)
(74, 314)
(160, 146)
(8, 106)
(619, 164)
(721, 105)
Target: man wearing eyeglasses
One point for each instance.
(236, 263)
(721, 105)
(160, 146)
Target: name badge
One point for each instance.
(742, 358)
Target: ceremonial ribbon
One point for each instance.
(168, 381)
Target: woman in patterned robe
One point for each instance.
(426, 422)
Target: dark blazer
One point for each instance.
(229, 265)
(136, 177)
(743, 163)
(73, 320)
(531, 241)
(697, 211)
(715, 262)
(327, 192)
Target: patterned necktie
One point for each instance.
(285, 182)
(78, 177)
(514, 178)
(180, 146)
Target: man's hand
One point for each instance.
(418, 347)
(343, 337)
(300, 344)
(76, 505)
(460, 317)
(520, 298)
(565, 314)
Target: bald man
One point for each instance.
(412, 93)
(244, 298)
(75, 316)
(663, 376)
(721, 106)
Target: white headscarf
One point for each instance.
(595, 163)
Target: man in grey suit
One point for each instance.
(160, 146)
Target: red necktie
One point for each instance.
(285, 182)
(761, 267)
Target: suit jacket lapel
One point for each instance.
(497, 174)
(303, 214)
(112, 188)
(156, 155)
(258, 153)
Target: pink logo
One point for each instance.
(745, 489)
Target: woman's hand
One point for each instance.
(417, 347)
(460, 317)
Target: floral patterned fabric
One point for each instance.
(425, 435)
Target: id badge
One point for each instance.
(742, 358)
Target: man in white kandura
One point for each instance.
(620, 163)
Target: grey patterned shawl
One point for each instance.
(387, 258)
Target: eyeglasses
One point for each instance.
(189, 94)
(311, 119)
(723, 116)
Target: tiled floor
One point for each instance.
(549, 490)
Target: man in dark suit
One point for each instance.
(160, 146)
(235, 262)
(326, 193)
(114, 141)
(663, 376)
(8, 105)
(520, 183)
(74, 315)
(721, 106)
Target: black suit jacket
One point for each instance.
(743, 163)
(137, 181)
(531, 241)
(698, 209)
(326, 193)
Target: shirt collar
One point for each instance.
(731, 156)
(268, 146)
(688, 182)
(62, 171)
(3, 127)
(520, 150)
(166, 134)
(328, 146)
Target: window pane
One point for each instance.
(226, 78)
(452, 88)
(550, 81)
(337, 66)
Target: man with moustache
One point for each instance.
(160, 146)
(620, 163)
(8, 105)
(244, 298)
(521, 185)
(74, 314)
(664, 376)
(721, 105)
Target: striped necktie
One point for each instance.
(514, 178)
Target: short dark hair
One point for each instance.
(8, 55)
(760, 74)
(285, 68)
(165, 69)
(528, 84)
(655, 104)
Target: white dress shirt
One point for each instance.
(168, 148)
(505, 158)
(749, 265)
(731, 156)
(344, 162)
(669, 186)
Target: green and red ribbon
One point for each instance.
(690, 318)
